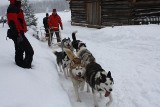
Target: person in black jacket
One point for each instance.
(45, 23)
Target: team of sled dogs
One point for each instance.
(81, 67)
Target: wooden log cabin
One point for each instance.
(100, 13)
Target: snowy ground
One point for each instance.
(131, 53)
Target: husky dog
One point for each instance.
(66, 43)
(63, 62)
(77, 72)
(84, 54)
(99, 80)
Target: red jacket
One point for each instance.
(15, 17)
(22, 21)
(54, 21)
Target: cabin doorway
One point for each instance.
(93, 13)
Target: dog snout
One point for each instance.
(68, 45)
(110, 89)
(79, 73)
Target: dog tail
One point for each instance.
(74, 35)
(70, 54)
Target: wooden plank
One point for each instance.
(79, 9)
(115, 11)
(116, 16)
(147, 14)
(114, 0)
(147, 2)
(116, 3)
(146, 10)
(116, 7)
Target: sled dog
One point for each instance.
(75, 42)
(85, 55)
(77, 72)
(66, 43)
(63, 62)
(100, 81)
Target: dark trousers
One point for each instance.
(47, 32)
(57, 35)
(20, 49)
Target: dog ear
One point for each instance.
(76, 61)
(109, 75)
(97, 81)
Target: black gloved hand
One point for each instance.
(62, 28)
(9, 34)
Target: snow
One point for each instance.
(131, 53)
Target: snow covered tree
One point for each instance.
(29, 13)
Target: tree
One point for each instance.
(29, 13)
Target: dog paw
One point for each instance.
(96, 106)
(82, 88)
(66, 77)
(78, 100)
(107, 104)
(88, 91)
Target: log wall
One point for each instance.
(146, 11)
(117, 12)
(78, 12)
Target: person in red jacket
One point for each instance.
(54, 21)
(16, 32)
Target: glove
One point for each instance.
(9, 34)
(61, 28)
(19, 39)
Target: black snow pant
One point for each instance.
(20, 49)
(47, 32)
(57, 35)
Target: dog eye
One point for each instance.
(106, 84)
(110, 83)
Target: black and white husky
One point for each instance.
(99, 80)
(75, 42)
(63, 62)
(82, 52)
(66, 43)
